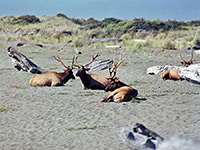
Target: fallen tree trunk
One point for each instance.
(190, 73)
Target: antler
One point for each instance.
(59, 60)
(74, 62)
(114, 69)
(93, 58)
(186, 63)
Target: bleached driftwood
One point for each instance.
(102, 40)
(141, 138)
(113, 46)
(21, 62)
(160, 69)
(190, 73)
(100, 65)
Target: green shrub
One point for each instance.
(78, 43)
(196, 40)
(62, 15)
(126, 36)
(167, 44)
(24, 20)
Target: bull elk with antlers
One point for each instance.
(174, 73)
(53, 78)
(94, 81)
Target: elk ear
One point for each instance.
(87, 69)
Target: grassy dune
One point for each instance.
(50, 28)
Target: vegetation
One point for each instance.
(24, 20)
(50, 29)
(6, 108)
(86, 128)
(62, 15)
(17, 86)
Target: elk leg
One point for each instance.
(118, 98)
(85, 88)
(56, 84)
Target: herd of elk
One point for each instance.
(95, 81)
(174, 73)
(120, 91)
(53, 78)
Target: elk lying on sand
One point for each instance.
(94, 81)
(53, 78)
(123, 94)
(186, 63)
(171, 75)
(174, 73)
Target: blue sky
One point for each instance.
(180, 10)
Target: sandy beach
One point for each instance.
(60, 118)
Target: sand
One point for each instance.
(49, 118)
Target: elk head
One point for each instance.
(113, 81)
(186, 63)
(68, 69)
(113, 69)
(82, 69)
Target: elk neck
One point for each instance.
(85, 78)
(64, 76)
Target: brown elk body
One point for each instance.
(174, 73)
(99, 82)
(123, 94)
(53, 78)
(171, 75)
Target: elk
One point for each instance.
(122, 94)
(186, 63)
(171, 75)
(98, 82)
(53, 78)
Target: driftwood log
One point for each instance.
(94, 40)
(141, 138)
(190, 73)
(22, 63)
(100, 65)
(22, 44)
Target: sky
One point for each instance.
(180, 10)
